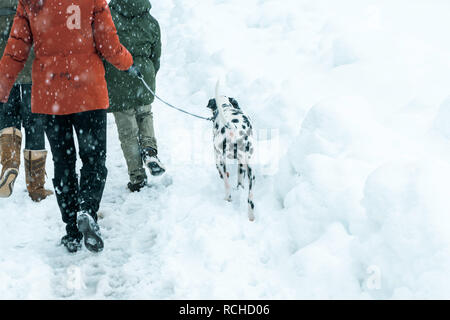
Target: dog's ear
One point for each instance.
(234, 103)
(212, 104)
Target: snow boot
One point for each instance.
(91, 232)
(136, 187)
(10, 142)
(35, 174)
(152, 162)
(72, 240)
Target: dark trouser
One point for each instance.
(86, 195)
(17, 112)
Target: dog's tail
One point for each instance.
(217, 89)
(220, 101)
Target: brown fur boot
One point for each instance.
(10, 141)
(35, 174)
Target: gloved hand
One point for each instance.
(134, 71)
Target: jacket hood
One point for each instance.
(130, 8)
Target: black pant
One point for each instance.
(17, 112)
(86, 195)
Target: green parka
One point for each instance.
(7, 12)
(140, 33)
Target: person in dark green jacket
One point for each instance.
(130, 101)
(13, 115)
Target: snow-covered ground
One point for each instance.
(350, 100)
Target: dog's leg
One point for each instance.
(226, 179)
(224, 173)
(251, 204)
(218, 163)
(241, 175)
(220, 171)
(224, 176)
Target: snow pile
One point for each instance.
(407, 231)
(441, 124)
(349, 100)
(365, 183)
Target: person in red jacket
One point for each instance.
(70, 38)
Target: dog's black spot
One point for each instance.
(222, 131)
(220, 173)
(235, 120)
(246, 121)
(217, 126)
(234, 103)
(212, 104)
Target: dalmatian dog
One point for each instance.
(233, 140)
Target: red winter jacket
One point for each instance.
(69, 38)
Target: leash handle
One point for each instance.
(141, 77)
